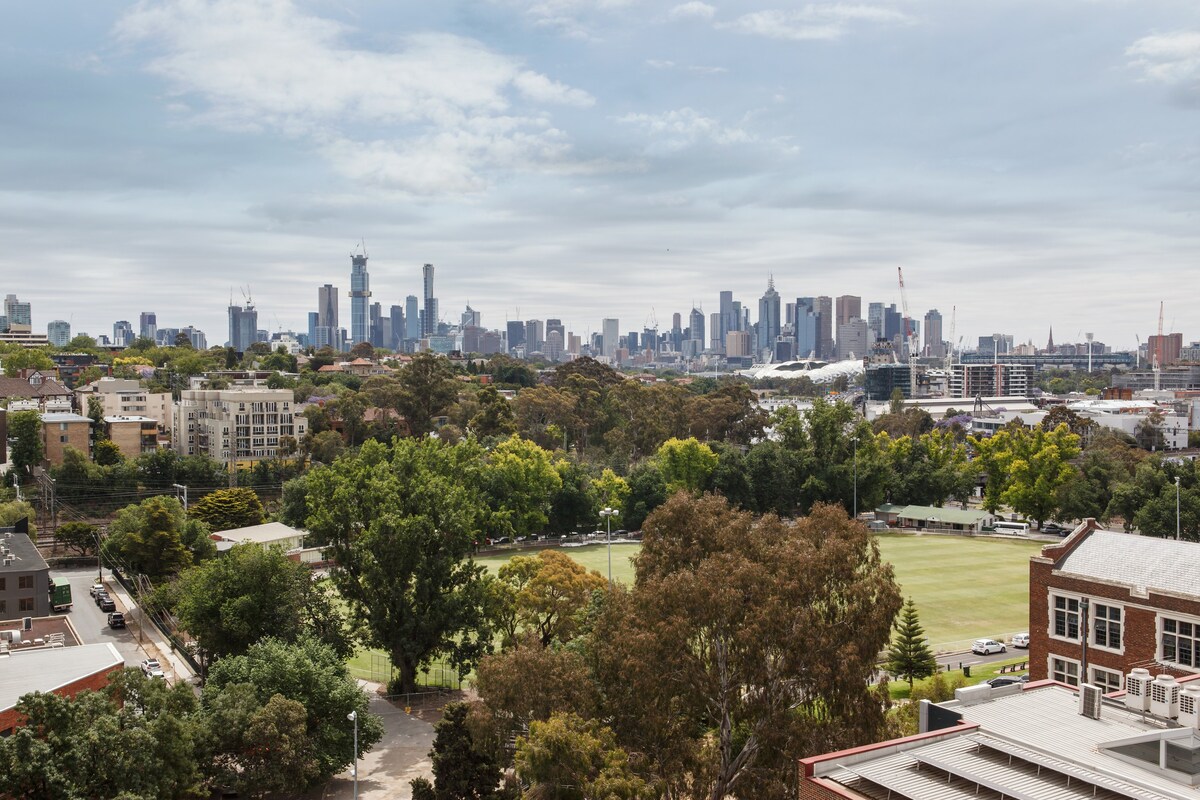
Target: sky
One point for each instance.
(1028, 163)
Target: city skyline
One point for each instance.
(605, 159)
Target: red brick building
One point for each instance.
(1136, 597)
(65, 671)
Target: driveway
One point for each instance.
(401, 755)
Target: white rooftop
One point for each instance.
(1138, 562)
(51, 668)
(265, 534)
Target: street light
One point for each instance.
(608, 514)
(353, 717)
(1177, 508)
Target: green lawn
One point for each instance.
(898, 689)
(592, 556)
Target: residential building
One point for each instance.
(39, 393)
(853, 339)
(1134, 599)
(266, 536)
(133, 436)
(63, 429)
(24, 578)
(70, 365)
(1166, 349)
(125, 397)
(360, 294)
(991, 380)
(18, 316)
(122, 333)
(58, 331)
(430, 321)
(848, 307)
(769, 326)
(241, 425)
(611, 331)
(243, 326)
(934, 346)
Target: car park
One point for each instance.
(985, 647)
(107, 604)
(116, 620)
(1008, 680)
(1020, 640)
(152, 669)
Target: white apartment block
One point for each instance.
(125, 397)
(242, 425)
(969, 381)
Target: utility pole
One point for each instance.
(181, 489)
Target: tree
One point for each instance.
(226, 509)
(647, 491)
(428, 390)
(1035, 464)
(685, 464)
(326, 446)
(518, 482)
(155, 539)
(26, 448)
(78, 537)
(307, 673)
(551, 590)
(909, 656)
(461, 771)
(22, 358)
(745, 643)
(573, 505)
(563, 684)
(495, 417)
(401, 523)
(569, 758)
(106, 453)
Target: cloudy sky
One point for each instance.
(1032, 162)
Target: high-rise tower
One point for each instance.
(768, 318)
(431, 304)
(360, 294)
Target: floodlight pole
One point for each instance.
(353, 717)
(608, 514)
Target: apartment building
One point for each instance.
(241, 425)
(61, 430)
(24, 578)
(991, 380)
(125, 397)
(132, 435)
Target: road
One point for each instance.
(92, 624)
(970, 659)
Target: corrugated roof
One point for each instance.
(44, 670)
(1145, 562)
(267, 533)
(955, 516)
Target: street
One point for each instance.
(970, 659)
(92, 624)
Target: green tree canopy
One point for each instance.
(226, 509)
(26, 448)
(685, 464)
(461, 770)
(156, 539)
(909, 656)
(428, 389)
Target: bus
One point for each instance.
(1014, 528)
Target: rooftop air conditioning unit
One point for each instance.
(1189, 706)
(1164, 697)
(1137, 690)
(1089, 700)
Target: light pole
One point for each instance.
(1177, 508)
(353, 717)
(608, 514)
(856, 474)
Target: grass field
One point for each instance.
(964, 588)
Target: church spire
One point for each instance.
(1050, 343)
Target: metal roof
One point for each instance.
(955, 516)
(51, 668)
(1141, 562)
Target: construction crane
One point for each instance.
(651, 324)
(908, 338)
(1158, 347)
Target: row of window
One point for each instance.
(1066, 671)
(1178, 640)
(23, 604)
(23, 582)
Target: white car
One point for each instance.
(1020, 641)
(152, 669)
(985, 647)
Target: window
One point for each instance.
(1106, 679)
(1180, 642)
(24, 581)
(3, 584)
(64, 438)
(25, 604)
(1064, 671)
(1066, 617)
(3, 606)
(1106, 626)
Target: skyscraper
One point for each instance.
(848, 307)
(729, 322)
(147, 325)
(516, 334)
(934, 346)
(824, 309)
(695, 331)
(18, 314)
(875, 320)
(768, 318)
(611, 331)
(806, 328)
(376, 327)
(430, 321)
(123, 333)
(470, 317)
(58, 332)
(412, 318)
(243, 326)
(534, 338)
(553, 325)
(360, 293)
(397, 314)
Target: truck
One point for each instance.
(60, 594)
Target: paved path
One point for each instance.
(401, 755)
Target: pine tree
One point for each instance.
(909, 656)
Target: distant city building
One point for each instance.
(554, 345)
(471, 317)
(824, 307)
(58, 332)
(196, 337)
(243, 326)
(398, 322)
(1166, 348)
(848, 307)
(534, 338)
(934, 346)
(122, 333)
(611, 331)
(990, 380)
(875, 320)
(853, 339)
(376, 331)
(515, 331)
(412, 318)
(574, 344)
(360, 294)
(18, 316)
(430, 321)
(769, 325)
(695, 330)
(737, 344)
(147, 325)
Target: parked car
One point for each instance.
(1021, 641)
(116, 620)
(1054, 527)
(503, 540)
(101, 597)
(985, 647)
(151, 668)
(1008, 680)
(97, 586)
(107, 604)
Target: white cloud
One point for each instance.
(694, 9)
(266, 65)
(679, 128)
(697, 68)
(813, 22)
(1169, 57)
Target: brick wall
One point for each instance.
(9, 718)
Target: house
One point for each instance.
(1134, 600)
(24, 577)
(63, 429)
(38, 392)
(271, 534)
(1035, 742)
(934, 518)
(65, 671)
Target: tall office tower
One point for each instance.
(611, 330)
(516, 334)
(631, 341)
(695, 331)
(412, 318)
(375, 331)
(574, 344)
(934, 346)
(555, 325)
(676, 331)
(848, 307)
(893, 322)
(314, 322)
(875, 320)
(385, 331)
(58, 331)
(430, 321)
(122, 333)
(554, 345)
(728, 321)
(534, 338)
(327, 307)
(714, 331)
(196, 337)
(470, 318)
(360, 293)
(853, 339)
(19, 315)
(789, 314)
(768, 318)
(737, 344)
(824, 309)
(243, 326)
(397, 315)
(147, 325)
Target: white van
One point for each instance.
(1015, 528)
